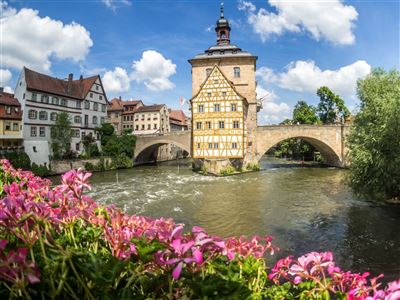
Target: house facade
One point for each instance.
(10, 123)
(43, 97)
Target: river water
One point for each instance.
(304, 209)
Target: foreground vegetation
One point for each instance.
(374, 141)
(58, 243)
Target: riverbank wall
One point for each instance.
(62, 166)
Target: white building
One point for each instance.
(42, 97)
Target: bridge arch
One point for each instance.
(328, 140)
(143, 151)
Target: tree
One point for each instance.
(90, 146)
(61, 135)
(106, 131)
(331, 107)
(305, 114)
(374, 140)
(124, 144)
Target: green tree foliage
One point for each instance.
(61, 135)
(305, 114)
(106, 131)
(113, 145)
(374, 140)
(90, 146)
(331, 107)
(19, 160)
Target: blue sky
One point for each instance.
(141, 48)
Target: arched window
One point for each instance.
(32, 114)
(43, 115)
(236, 72)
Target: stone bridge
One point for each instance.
(146, 144)
(328, 139)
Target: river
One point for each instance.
(304, 209)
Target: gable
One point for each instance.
(217, 88)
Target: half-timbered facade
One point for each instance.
(218, 119)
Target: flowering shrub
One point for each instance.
(58, 243)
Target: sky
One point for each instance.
(140, 48)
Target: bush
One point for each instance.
(40, 170)
(121, 161)
(227, 171)
(19, 160)
(253, 167)
(57, 243)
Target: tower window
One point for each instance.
(208, 72)
(236, 72)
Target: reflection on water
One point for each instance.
(305, 209)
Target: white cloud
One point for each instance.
(328, 19)
(5, 76)
(113, 4)
(30, 40)
(154, 71)
(274, 113)
(265, 95)
(116, 81)
(8, 89)
(306, 76)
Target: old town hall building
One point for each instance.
(224, 106)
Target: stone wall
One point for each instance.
(62, 166)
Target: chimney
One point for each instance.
(69, 86)
(120, 98)
(80, 78)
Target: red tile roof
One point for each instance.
(147, 108)
(115, 105)
(7, 99)
(77, 89)
(177, 115)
